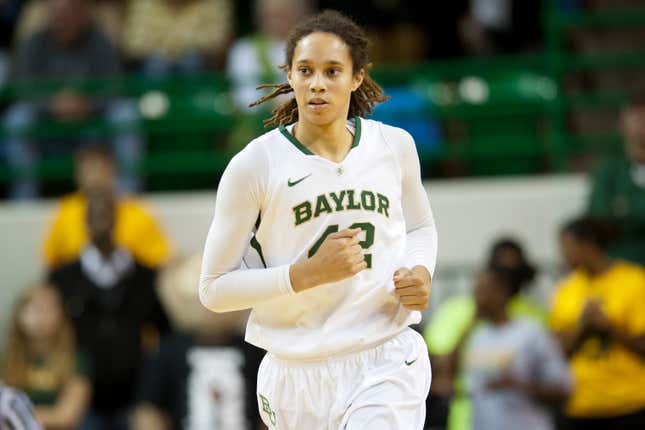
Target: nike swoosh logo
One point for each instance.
(291, 183)
(409, 363)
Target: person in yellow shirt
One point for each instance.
(599, 317)
(136, 229)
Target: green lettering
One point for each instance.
(266, 407)
(322, 205)
(383, 205)
(302, 212)
(350, 203)
(338, 199)
(368, 200)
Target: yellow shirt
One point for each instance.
(134, 229)
(609, 380)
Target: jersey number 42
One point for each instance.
(367, 227)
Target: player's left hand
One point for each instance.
(412, 287)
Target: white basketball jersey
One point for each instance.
(309, 197)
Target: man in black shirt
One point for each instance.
(113, 304)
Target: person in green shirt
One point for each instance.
(618, 188)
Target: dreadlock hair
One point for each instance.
(362, 100)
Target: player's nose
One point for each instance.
(317, 83)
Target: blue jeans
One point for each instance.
(22, 154)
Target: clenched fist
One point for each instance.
(339, 257)
(412, 287)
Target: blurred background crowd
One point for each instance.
(529, 119)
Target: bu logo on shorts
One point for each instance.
(266, 407)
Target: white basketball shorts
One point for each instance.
(381, 388)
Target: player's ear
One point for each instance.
(357, 79)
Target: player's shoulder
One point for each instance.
(263, 143)
(397, 139)
(391, 134)
(256, 153)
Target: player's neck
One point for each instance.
(331, 141)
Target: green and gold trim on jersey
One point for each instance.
(291, 138)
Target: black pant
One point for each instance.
(634, 421)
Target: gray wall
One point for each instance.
(469, 215)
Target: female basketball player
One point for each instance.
(333, 208)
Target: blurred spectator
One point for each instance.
(492, 27)
(598, 317)
(16, 411)
(618, 188)
(512, 367)
(9, 11)
(177, 36)
(42, 360)
(204, 376)
(71, 48)
(114, 307)
(455, 314)
(396, 28)
(254, 60)
(452, 320)
(108, 14)
(135, 229)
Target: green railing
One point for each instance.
(496, 115)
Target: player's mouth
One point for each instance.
(317, 104)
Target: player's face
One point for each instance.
(634, 130)
(322, 77)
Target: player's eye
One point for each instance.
(303, 70)
(333, 72)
